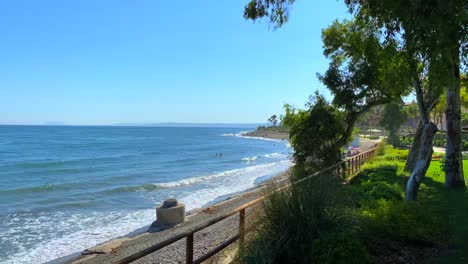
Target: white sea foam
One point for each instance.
(271, 155)
(228, 173)
(228, 135)
(241, 181)
(250, 159)
(242, 134)
(83, 230)
(76, 232)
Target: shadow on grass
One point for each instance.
(452, 206)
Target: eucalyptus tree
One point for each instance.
(363, 72)
(434, 39)
(434, 31)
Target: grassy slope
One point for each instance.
(454, 205)
(374, 223)
(450, 207)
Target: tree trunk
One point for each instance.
(414, 150)
(423, 161)
(415, 147)
(453, 156)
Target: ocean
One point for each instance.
(67, 188)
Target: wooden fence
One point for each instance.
(345, 168)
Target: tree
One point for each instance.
(434, 31)
(414, 41)
(411, 110)
(276, 10)
(393, 117)
(363, 72)
(273, 119)
(438, 112)
(316, 133)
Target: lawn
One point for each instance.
(449, 209)
(453, 205)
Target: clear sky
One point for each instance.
(125, 61)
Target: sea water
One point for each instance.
(67, 188)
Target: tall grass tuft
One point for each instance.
(300, 223)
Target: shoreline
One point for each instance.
(144, 236)
(267, 134)
(137, 240)
(223, 203)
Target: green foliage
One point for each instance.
(340, 247)
(273, 119)
(275, 10)
(411, 110)
(323, 221)
(393, 117)
(295, 219)
(316, 134)
(403, 221)
(363, 72)
(440, 140)
(384, 213)
(402, 154)
(435, 30)
(380, 149)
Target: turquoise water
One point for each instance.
(63, 189)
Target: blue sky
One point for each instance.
(89, 62)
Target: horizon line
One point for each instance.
(159, 124)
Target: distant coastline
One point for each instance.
(268, 133)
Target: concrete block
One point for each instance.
(170, 213)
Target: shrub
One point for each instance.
(380, 151)
(295, 219)
(403, 221)
(384, 190)
(340, 247)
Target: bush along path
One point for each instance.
(366, 220)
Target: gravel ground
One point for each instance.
(204, 240)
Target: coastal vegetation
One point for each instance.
(365, 221)
(389, 50)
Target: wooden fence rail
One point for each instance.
(344, 169)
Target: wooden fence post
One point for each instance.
(189, 249)
(241, 228)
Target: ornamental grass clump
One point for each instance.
(301, 223)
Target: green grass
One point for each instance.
(453, 205)
(367, 220)
(441, 214)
